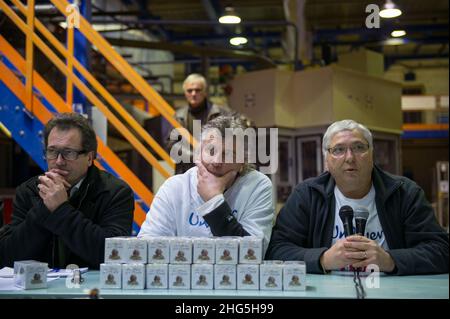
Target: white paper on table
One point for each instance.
(56, 273)
(8, 284)
(8, 272)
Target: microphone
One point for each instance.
(346, 215)
(361, 216)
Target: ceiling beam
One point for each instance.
(262, 61)
(212, 8)
(226, 36)
(392, 59)
(423, 28)
(144, 13)
(381, 41)
(411, 18)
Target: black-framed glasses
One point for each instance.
(66, 153)
(341, 150)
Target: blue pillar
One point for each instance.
(81, 52)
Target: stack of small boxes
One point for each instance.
(196, 263)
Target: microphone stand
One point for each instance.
(361, 215)
(360, 292)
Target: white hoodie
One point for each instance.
(178, 209)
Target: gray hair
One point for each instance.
(233, 121)
(195, 78)
(344, 125)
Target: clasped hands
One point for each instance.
(53, 188)
(356, 251)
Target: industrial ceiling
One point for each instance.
(325, 28)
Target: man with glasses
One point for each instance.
(402, 235)
(64, 215)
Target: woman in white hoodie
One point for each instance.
(217, 197)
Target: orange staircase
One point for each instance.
(95, 93)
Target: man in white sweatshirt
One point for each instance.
(217, 197)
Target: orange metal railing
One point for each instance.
(126, 70)
(89, 94)
(43, 115)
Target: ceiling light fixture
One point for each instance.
(238, 40)
(398, 33)
(229, 16)
(390, 10)
(394, 41)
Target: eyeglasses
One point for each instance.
(67, 154)
(341, 150)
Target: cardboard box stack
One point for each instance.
(196, 263)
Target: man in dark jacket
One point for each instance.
(63, 216)
(402, 235)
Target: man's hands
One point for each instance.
(357, 251)
(368, 252)
(210, 185)
(53, 188)
(335, 257)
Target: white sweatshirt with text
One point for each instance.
(178, 209)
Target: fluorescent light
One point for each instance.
(229, 17)
(390, 13)
(238, 40)
(394, 41)
(398, 33)
(390, 10)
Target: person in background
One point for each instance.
(402, 234)
(64, 215)
(214, 198)
(198, 107)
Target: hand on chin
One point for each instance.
(217, 173)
